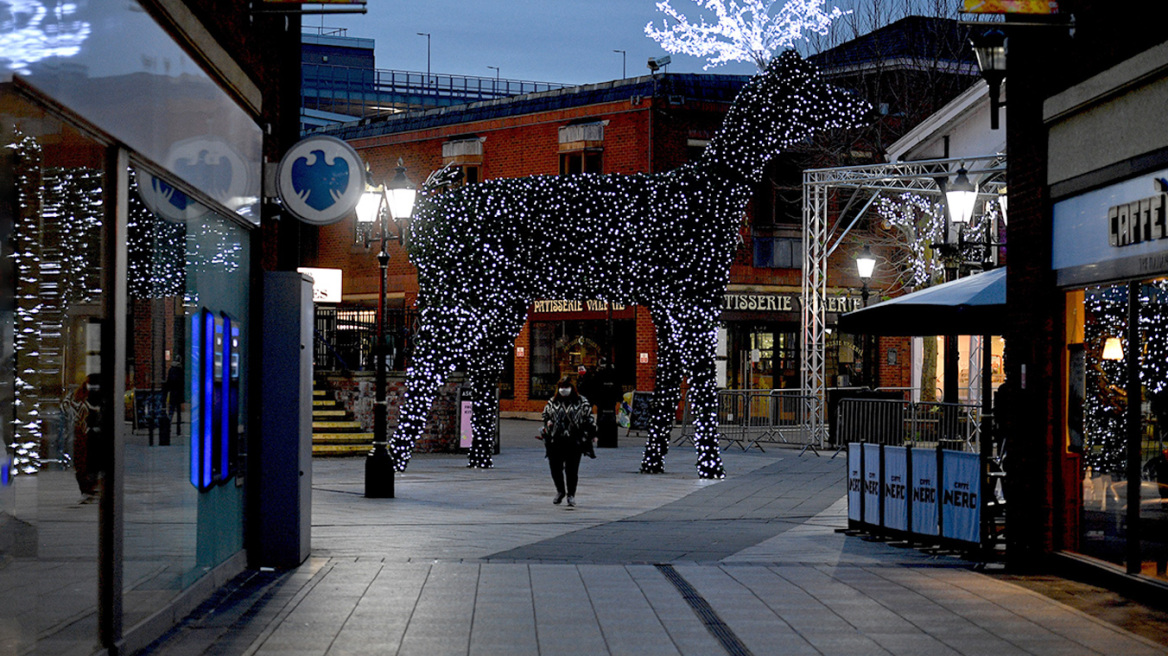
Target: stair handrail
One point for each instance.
(344, 365)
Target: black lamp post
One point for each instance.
(865, 264)
(398, 198)
(990, 49)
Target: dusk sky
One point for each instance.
(566, 41)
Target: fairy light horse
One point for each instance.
(665, 241)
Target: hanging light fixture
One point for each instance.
(369, 206)
(990, 49)
(1112, 349)
(865, 263)
(961, 196)
(401, 192)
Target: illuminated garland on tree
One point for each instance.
(743, 31)
(912, 224)
(486, 252)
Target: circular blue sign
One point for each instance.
(320, 180)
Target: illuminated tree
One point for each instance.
(743, 31)
(664, 241)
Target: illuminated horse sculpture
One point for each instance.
(486, 252)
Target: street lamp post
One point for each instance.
(427, 35)
(496, 87)
(624, 57)
(398, 199)
(990, 49)
(865, 264)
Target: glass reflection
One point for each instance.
(183, 259)
(52, 390)
(1105, 402)
(179, 117)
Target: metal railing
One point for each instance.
(375, 89)
(345, 336)
(754, 418)
(899, 423)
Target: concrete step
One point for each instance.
(320, 392)
(335, 425)
(328, 413)
(327, 450)
(342, 438)
(316, 403)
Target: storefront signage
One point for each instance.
(165, 200)
(574, 306)
(896, 487)
(1137, 221)
(960, 496)
(215, 168)
(855, 482)
(1010, 7)
(783, 303)
(924, 492)
(326, 284)
(872, 484)
(1112, 233)
(320, 180)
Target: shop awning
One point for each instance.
(974, 305)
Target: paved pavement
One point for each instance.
(477, 562)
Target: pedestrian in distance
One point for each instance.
(173, 388)
(568, 433)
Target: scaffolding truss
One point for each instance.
(821, 237)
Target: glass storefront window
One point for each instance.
(1098, 402)
(560, 348)
(185, 265)
(762, 357)
(52, 379)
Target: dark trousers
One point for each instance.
(565, 463)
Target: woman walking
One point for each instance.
(568, 433)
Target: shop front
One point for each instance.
(1111, 258)
(128, 199)
(579, 340)
(1108, 179)
(758, 343)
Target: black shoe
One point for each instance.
(572, 502)
(560, 497)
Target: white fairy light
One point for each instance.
(485, 252)
(744, 30)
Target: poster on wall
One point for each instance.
(872, 484)
(923, 493)
(465, 438)
(960, 496)
(895, 477)
(855, 482)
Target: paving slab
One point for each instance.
(480, 562)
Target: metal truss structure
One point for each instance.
(861, 185)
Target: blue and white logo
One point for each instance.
(320, 180)
(166, 200)
(212, 166)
